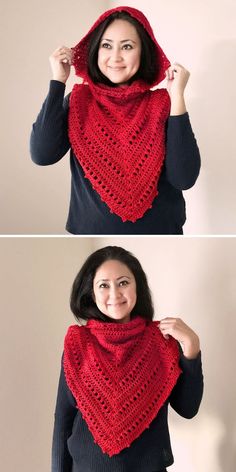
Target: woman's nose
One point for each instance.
(116, 54)
(114, 292)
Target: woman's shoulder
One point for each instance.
(159, 91)
(160, 97)
(160, 94)
(153, 328)
(73, 329)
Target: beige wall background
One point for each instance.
(199, 35)
(193, 278)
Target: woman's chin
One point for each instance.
(119, 317)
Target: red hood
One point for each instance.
(80, 50)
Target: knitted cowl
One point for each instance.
(118, 133)
(120, 376)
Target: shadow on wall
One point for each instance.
(220, 348)
(218, 147)
(210, 437)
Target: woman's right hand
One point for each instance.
(60, 61)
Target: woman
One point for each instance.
(120, 371)
(132, 148)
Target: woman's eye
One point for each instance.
(127, 46)
(103, 286)
(106, 45)
(124, 282)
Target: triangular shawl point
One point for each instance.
(120, 375)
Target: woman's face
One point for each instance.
(119, 52)
(114, 289)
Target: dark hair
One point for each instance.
(81, 301)
(148, 64)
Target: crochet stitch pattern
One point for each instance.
(118, 133)
(120, 376)
(124, 141)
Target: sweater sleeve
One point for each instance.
(182, 153)
(65, 413)
(187, 394)
(49, 140)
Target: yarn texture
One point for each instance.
(120, 376)
(118, 133)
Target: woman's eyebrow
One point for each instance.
(101, 280)
(123, 40)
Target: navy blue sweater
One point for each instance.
(49, 142)
(74, 448)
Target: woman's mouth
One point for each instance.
(116, 304)
(116, 68)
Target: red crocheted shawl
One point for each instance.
(118, 133)
(120, 376)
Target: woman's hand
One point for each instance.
(60, 61)
(177, 78)
(188, 339)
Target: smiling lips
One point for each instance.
(116, 68)
(116, 304)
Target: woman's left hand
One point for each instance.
(188, 339)
(177, 78)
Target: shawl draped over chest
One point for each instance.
(120, 375)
